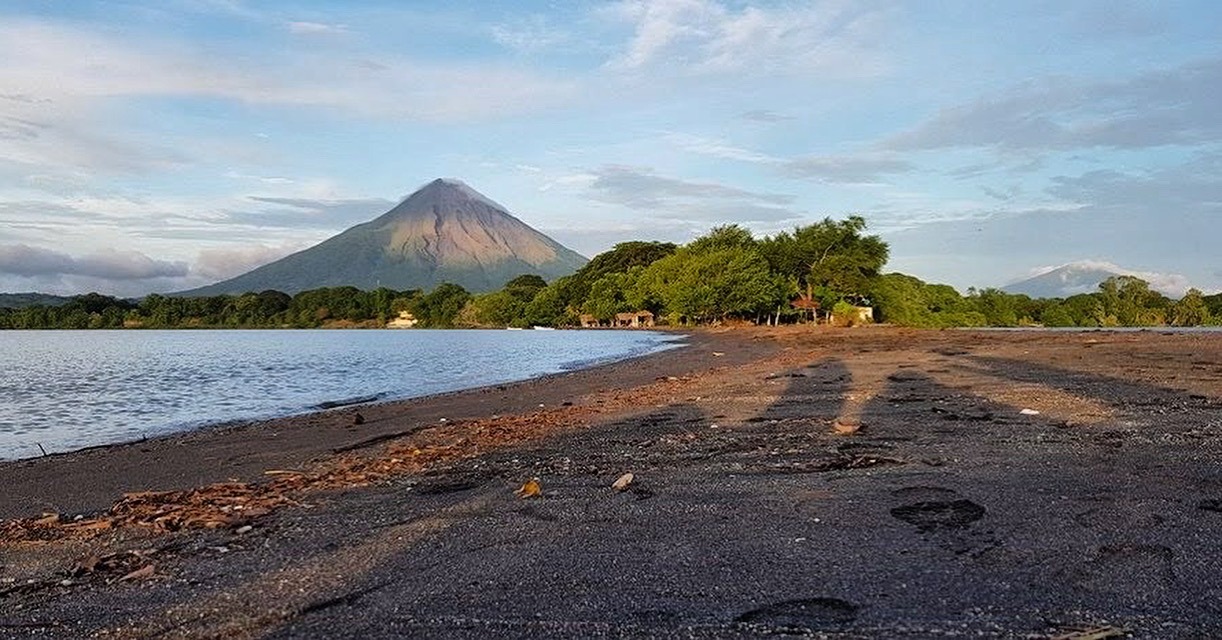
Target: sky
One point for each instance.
(157, 146)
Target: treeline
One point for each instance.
(342, 306)
(827, 271)
(727, 274)
(1121, 301)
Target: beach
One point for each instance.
(864, 482)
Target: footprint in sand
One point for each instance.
(944, 516)
(810, 614)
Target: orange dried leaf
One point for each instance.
(532, 489)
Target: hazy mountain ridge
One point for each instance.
(22, 300)
(1085, 276)
(444, 232)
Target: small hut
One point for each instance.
(589, 321)
(634, 319)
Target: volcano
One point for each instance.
(444, 232)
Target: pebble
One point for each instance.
(623, 482)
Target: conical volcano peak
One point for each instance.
(444, 232)
(449, 191)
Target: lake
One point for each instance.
(65, 390)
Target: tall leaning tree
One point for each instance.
(831, 258)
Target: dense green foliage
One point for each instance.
(621, 258)
(314, 308)
(831, 260)
(823, 270)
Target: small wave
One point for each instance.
(347, 402)
(643, 350)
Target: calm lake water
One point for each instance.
(70, 389)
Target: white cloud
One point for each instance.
(660, 197)
(27, 261)
(273, 180)
(868, 168)
(310, 213)
(305, 28)
(74, 67)
(710, 37)
(530, 35)
(765, 116)
(718, 149)
(1171, 106)
(219, 264)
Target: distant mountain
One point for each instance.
(22, 300)
(1084, 277)
(444, 232)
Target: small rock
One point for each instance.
(139, 574)
(243, 529)
(623, 482)
(1029, 412)
(358, 419)
(846, 427)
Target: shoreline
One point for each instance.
(328, 428)
(674, 340)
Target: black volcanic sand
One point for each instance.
(951, 512)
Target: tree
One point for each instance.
(525, 287)
(609, 295)
(900, 300)
(619, 259)
(730, 236)
(1214, 303)
(1000, 309)
(1057, 314)
(1128, 301)
(548, 308)
(441, 306)
(703, 286)
(497, 309)
(834, 255)
(1190, 311)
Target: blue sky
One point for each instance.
(155, 146)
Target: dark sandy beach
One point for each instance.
(836, 483)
